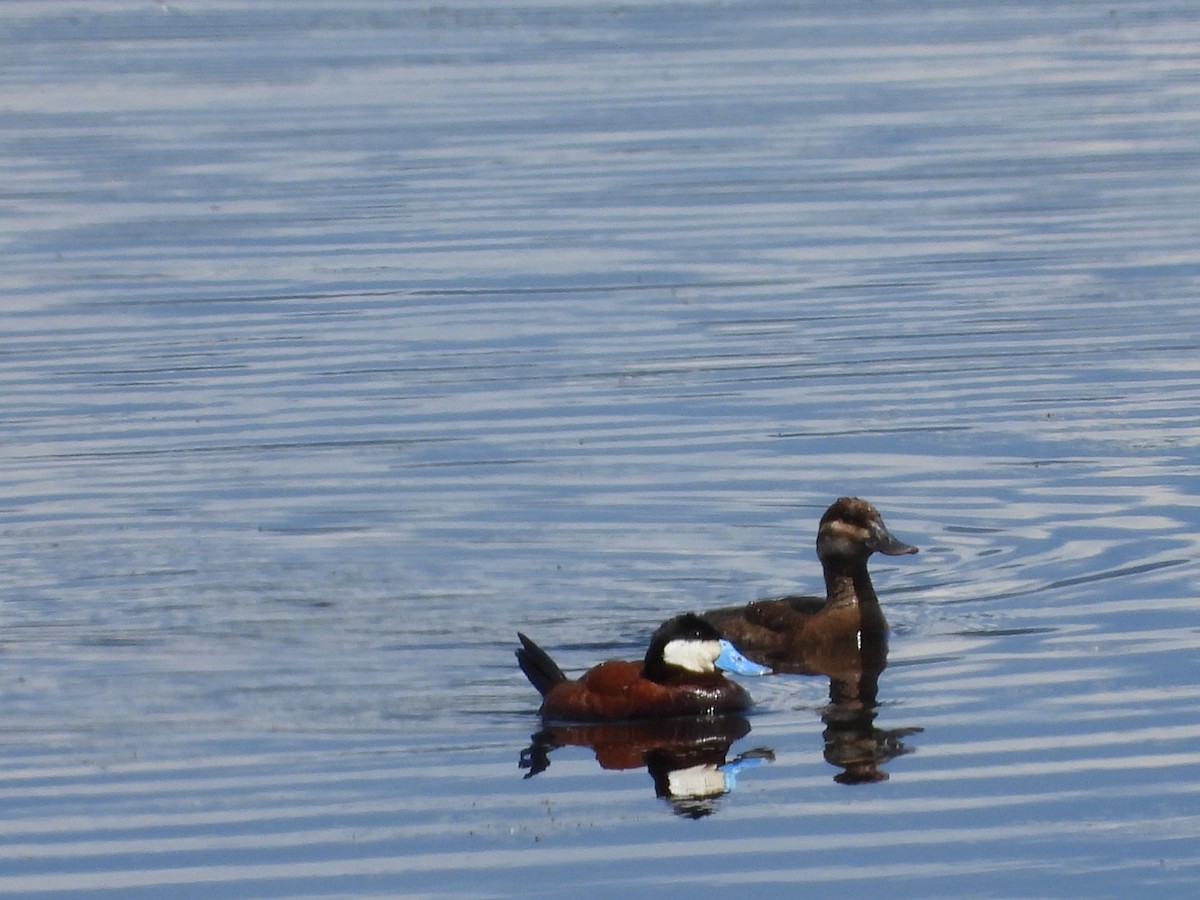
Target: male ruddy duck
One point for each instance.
(791, 632)
(678, 677)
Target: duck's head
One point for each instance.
(853, 529)
(687, 643)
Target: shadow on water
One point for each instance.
(687, 758)
(853, 743)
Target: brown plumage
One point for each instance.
(790, 632)
(651, 689)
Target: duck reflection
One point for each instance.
(852, 742)
(687, 758)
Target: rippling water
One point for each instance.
(343, 340)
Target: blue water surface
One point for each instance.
(342, 341)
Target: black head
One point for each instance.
(853, 529)
(685, 643)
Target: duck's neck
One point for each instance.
(848, 587)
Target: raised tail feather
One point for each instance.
(543, 672)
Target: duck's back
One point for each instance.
(765, 625)
(616, 690)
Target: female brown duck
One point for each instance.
(786, 631)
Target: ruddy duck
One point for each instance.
(784, 631)
(678, 677)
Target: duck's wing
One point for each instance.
(765, 630)
(784, 613)
(780, 615)
(616, 690)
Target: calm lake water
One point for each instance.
(342, 340)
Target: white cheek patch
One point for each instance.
(694, 656)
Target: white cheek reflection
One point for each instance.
(697, 781)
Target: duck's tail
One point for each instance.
(543, 672)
